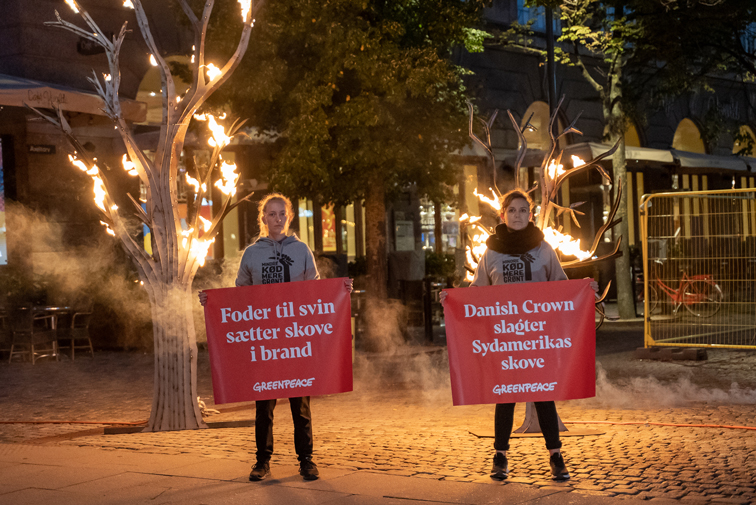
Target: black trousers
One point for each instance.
(300, 413)
(547, 419)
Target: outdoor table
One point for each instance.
(52, 311)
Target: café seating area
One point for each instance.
(29, 332)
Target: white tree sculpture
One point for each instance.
(167, 272)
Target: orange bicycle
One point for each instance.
(699, 294)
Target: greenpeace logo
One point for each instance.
(285, 384)
(502, 389)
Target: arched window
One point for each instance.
(538, 136)
(150, 90)
(745, 142)
(688, 138)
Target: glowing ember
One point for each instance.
(205, 223)
(493, 202)
(463, 217)
(213, 71)
(564, 243)
(153, 61)
(107, 228)
(107, 77)
(193, 182)
(128, 165)
(128, 4)
(219, 138)
(72, 4)
(199, 249)
(99, 193)
(554, 170)
(245, 6)
(577, 161)
(230, 178)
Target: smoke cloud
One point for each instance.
(651, 393)
(81, 269)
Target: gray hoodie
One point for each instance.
(537, 265)
(268, 262)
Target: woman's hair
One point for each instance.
(513, 195)
(261, 208)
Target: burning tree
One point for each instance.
(177, 253)
(551, 176)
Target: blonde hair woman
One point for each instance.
(278, 256)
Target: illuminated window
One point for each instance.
(688, 138)
(537, 134)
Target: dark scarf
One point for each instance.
(506, 241)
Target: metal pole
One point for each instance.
(550, 67)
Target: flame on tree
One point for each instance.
(551, 176)
(168, 270)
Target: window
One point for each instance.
(748, 38)
(538, 15)
(688, 138)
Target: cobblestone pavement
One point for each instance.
(400, 420)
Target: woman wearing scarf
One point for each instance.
(517, 253)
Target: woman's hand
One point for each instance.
(594, 284)
(442, 297)
(349, 285)
(202, 298)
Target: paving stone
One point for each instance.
(407, 432)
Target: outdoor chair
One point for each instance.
(73, 332)
(33, 335)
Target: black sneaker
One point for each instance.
(260, 471)
(308, 470)
(558, 468)
(500, 469)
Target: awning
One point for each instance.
(18, 92)
(590, 150)
(696, 160)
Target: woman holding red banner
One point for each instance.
(517, 253)
(275, 245)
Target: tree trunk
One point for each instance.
(174, 404)
(375, 245)
(615, 119)
(382, 318)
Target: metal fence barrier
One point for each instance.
(699, 268)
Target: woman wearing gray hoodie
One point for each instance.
(277, 257)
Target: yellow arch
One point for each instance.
(688, 138)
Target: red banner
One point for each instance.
(279, 340)
(524, 342)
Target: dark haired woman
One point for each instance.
(517, 253)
